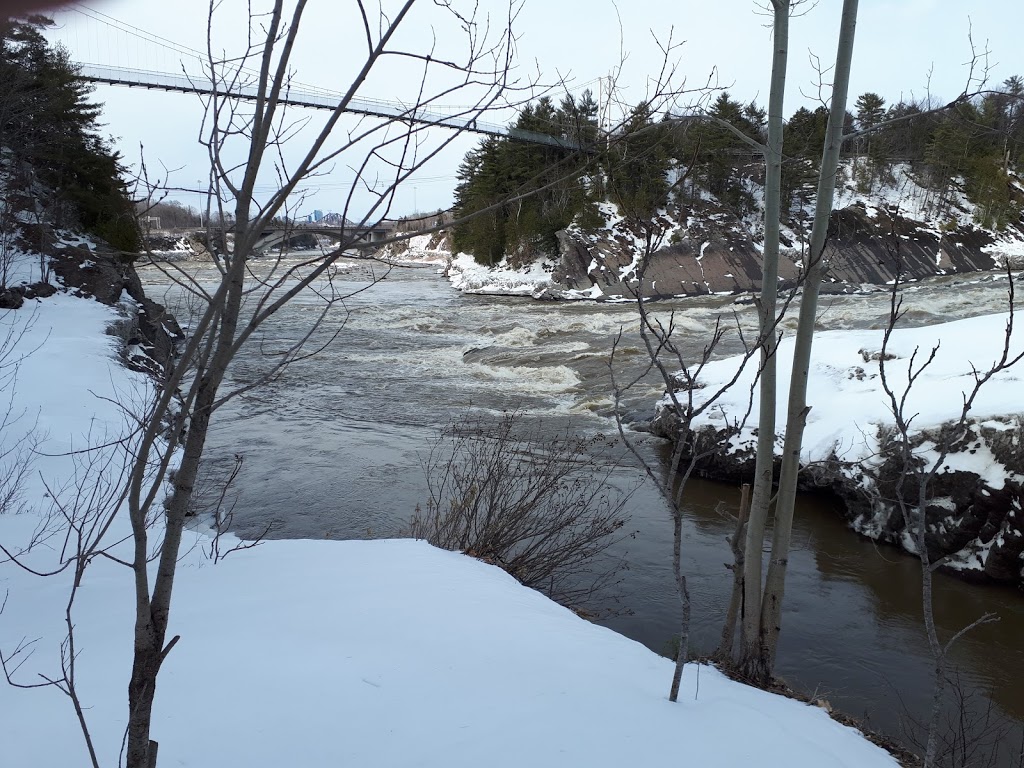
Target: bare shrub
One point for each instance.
(529, 502)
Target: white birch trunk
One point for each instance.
(762, 486)
(775, 581)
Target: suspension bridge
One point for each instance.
(102, 32)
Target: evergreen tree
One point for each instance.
(638, 165)
(544, 180)
(721, 153)
(804, 136)
(481, 185)
(870, 112)
(51, 128)
(909, 138)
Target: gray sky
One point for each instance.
(899, 42)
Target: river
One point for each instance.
(334, 447)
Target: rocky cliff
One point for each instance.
(704, 247)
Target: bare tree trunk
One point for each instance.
(220, 333)
(796, 416)
(765, 460)
(154, 611)
(938, 654)
(724, 651)
(684, 605)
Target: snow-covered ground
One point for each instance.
(848, 404)
(850, 425)
(325, 653)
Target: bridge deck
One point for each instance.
(317, 99)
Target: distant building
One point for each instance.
(317, 215)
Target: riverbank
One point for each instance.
(320, 443)
(301, 647)
(850, 447)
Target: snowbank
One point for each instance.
(393, 653)
(845, 392)
(975, 499)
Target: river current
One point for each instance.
(334, 447)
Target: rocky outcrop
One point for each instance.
(706, 257)
(90, 268)
(191, 246)
(975, 529)
(708, 250)
(433, 248)
(870, 247)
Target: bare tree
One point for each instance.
(249, 143)
(686, 401)
(763, 606)
(761, 492)
(916, 474)
(17, 437)
(77, 526)
(970, 734)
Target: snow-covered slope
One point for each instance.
(426, 250)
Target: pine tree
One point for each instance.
(907, 139)
(721, 151)
(527, 191)
(52, 129)
(804, 135)
(870, 112)
(638, 165)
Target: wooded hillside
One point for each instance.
(652, 163)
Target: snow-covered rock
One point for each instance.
(432, 249)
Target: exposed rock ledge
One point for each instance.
(976, 527)
(709, 251)
(89, 267)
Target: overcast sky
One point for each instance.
(899, 42)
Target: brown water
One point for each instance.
(334, 449)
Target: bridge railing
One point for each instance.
(314, 98)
